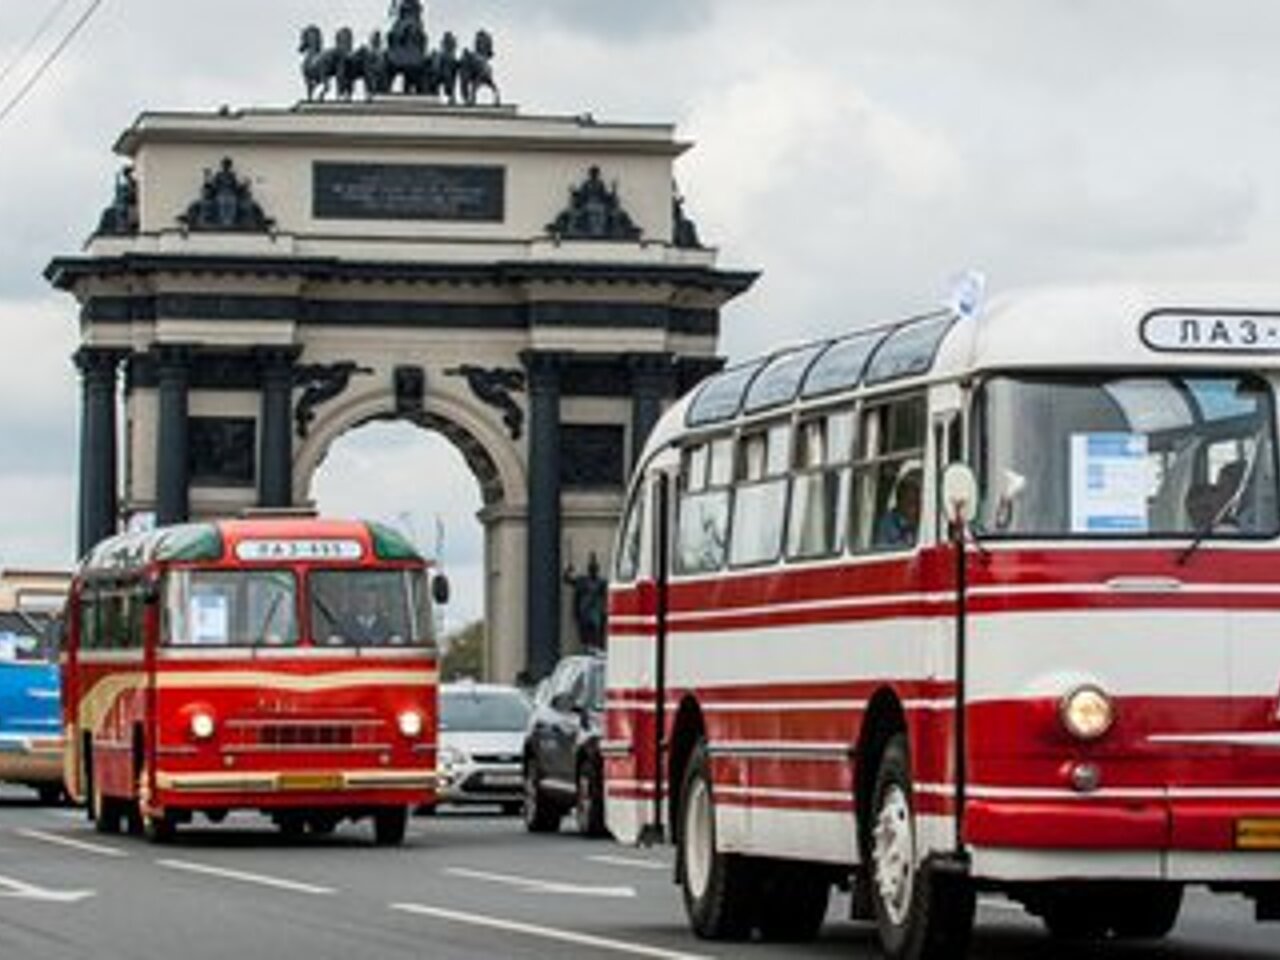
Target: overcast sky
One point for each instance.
(859, 152)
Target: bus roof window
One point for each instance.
(720, 398)
(909, 350)
(779, 382)
(840, 366)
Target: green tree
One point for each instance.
(463, 653)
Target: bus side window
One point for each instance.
(760, 498)
(820, 486)
(89, 620)
(629, 548)
(889, 475)
(702, 521)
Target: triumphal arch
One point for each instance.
(266, 279)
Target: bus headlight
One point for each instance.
(1087, 713)
(410, 723)
(202, 726)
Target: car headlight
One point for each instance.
(1087, 712)
(202, 726)
(410, 723)
(451, 757)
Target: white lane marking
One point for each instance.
(548, 933)
(17, 890)
(67, 814)
(629, 862)
(539, 885)
(101, 849)
(261, 880)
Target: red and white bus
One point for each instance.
(281, 665)
(809, 685)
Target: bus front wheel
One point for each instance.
(920, 913)
(390, 825)
(1140, 911)
(719, 888)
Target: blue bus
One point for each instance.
(31, 739)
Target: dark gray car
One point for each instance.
(562, 769)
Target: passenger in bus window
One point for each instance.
(897, 527)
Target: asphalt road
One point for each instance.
(464, 885)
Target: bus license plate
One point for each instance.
(310, 781)
(1258, 833)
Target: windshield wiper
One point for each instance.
(1231, 503)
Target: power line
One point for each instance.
(49, 60)
(45, 24)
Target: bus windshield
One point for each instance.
(369, 608)
(230, 608)
(1125, 456)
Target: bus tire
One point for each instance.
(1138, 912)
(793, 902)
(106, 813)
(541, 815)
(390, 825)
(292, 825)
(919, 914)
(719, 888)
(51, 794)
(588, 807)
(158, 828)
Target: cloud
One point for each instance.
(614, 20)
(859, 153)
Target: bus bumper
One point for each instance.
(31, 759)
(1201, 840)
(291, 782)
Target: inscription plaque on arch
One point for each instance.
(408, 191)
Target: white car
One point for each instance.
(482, 728)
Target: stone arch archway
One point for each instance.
(494, 461)
(432, 273)
(494, 458)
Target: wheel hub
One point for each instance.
(698, 839)
(893, 854)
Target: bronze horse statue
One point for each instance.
(320, 67)
(407, 48)
(444, 68)
(476, 70)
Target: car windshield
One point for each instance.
(21, 648)
(484, 711)
(230, 608)
(1149, 455)
(369, 608)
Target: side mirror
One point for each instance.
(959, 494)
(440, 589)
(151, 591)
(562, 702)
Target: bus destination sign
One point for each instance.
(1195, 332)
(268, 551)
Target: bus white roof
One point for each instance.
(1063, 328)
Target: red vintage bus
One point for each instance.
(280, 665)
(809, 684)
